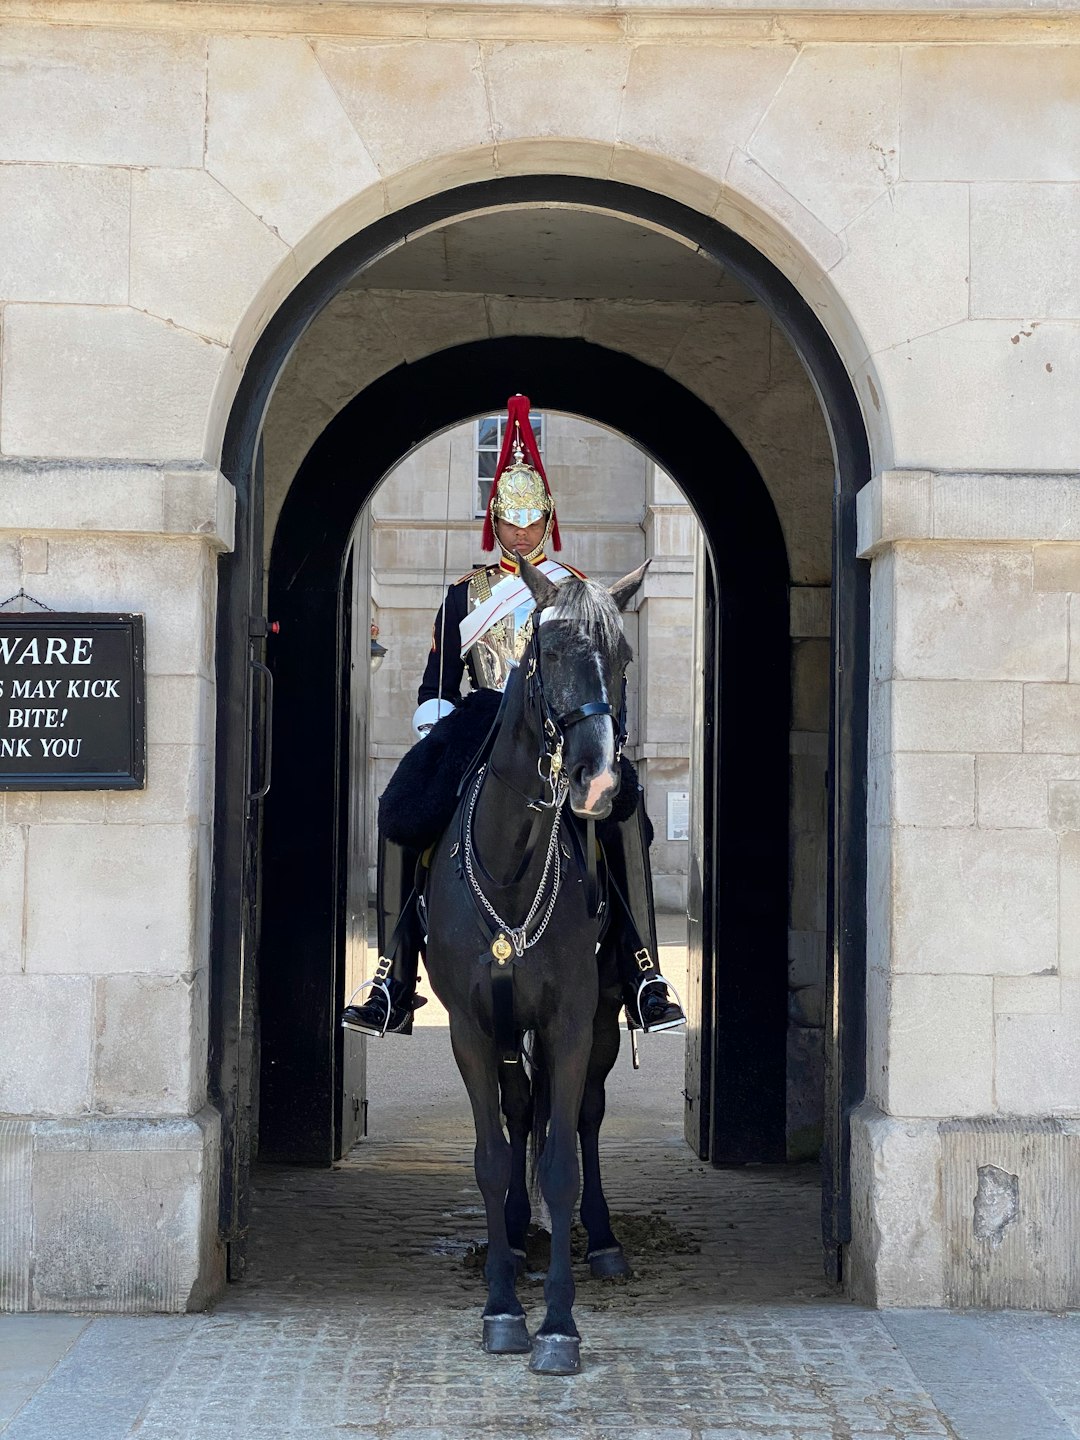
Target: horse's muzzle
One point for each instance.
(592, 796)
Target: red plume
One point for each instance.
(517, 408)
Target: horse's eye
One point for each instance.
(550, 653)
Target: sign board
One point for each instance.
(72, 702)
(678, 815)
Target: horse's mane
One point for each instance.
(589, 607)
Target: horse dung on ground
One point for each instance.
(514, 918)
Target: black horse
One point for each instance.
(514, 917)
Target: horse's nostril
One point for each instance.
(579, 776)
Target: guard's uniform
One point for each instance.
(501, 635)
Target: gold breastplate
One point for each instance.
(502, 645)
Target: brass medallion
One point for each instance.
(501, 948)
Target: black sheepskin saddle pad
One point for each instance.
(420, 800)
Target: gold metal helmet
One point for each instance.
(520, 493)
(521, 496)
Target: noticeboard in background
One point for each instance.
(72, 702)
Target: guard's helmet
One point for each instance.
(520, 492)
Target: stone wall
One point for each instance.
(170, 173)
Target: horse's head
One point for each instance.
(582, 658)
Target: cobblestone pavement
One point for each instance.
(360, 1319)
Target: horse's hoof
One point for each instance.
(556, 1355)
(506, 1335)
(610, 1264)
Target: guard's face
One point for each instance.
(520, 539)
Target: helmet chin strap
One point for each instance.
(539, 550)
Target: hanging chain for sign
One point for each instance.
(22, 594)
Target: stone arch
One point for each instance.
(748, 203)
(239, 598)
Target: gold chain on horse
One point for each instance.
(517, 935)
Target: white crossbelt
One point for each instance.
(506, 596)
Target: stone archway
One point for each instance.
(242, 596)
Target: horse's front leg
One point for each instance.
(557, 1347)
(505, 1332)
(518, 1109)
(606, 1258)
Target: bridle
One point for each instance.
(552, 728)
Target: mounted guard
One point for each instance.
(484, 626)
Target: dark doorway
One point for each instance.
(744, 884)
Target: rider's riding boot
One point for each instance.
(392, 997)
(649, 1007)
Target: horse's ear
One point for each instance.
(624, 590)
(544, 591)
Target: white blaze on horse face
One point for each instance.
(605, 778)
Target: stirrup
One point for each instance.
(354, 1020)
(634, 1019)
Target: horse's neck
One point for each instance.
(503, 821)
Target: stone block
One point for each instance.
(1017, 234)
(178, 778)
(125, 1215)
(124, 905)
(1051, 719)
(1064, 804)
(944, 390)
(810, 609)
(532, 316)
(34, 554)
(1014, 789)
(84, 382)
(670, 104)
(930, 790)
(811, 684)
(807, 903)
(971, 614)
(1027, 995)
(1069, 900)
(759, 207)
(173, 581)
(1049, 1087)
(12, 880)
(617, 325)
(102, 96)
(1007, 507)
(543, 88)
(1057, 567)
(1009, 112)
(147, 1058)
(920, 232)
(64, 234)
(179, 710)
(436, 324)
(894, 505)
(896, 1255)
(806, 958)
(277, 135)
(1009, 1191)
(805, 1087)
(410, 101)
(16, 1212)
(840, 164)
(181, 220)
(940, 1050)
(46, 1027)
(955, 715)
(974, 902)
